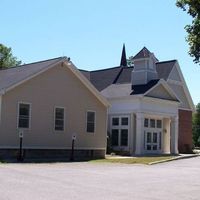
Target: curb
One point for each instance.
(172, 159)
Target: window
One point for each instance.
(115, 137)
(124, 137)
(146, 122)
(90, 122)
(124, 121)
(159, 123)
(115, 121)
(24, 115)
(152, 123)
(59, 119)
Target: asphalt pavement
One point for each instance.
(81, 181)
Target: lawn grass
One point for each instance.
(134, 160)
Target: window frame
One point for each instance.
(54, 128)
(120, 127)
(18, 115)
(93, 111)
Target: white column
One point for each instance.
(174, 135)
(139, 133)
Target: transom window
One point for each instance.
(152, 123)
(59, 119)
(24, 115)
(90, 122)
(115, 121)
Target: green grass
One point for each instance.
(134, 160)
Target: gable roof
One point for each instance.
(105, 77)
(164, 68)
(141, 89)
(162, 90)
(12, 77)
(143, 53)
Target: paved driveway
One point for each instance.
(174, 180)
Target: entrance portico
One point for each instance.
(156, 134)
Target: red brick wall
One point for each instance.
(185, 131)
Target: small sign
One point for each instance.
(21, 133)
(74, 136)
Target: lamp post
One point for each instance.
(72, 149)
(21, 134)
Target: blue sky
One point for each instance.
(92, 32)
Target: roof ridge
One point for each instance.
(105, 69)
(166, 61)
(33, 63)
(117, 77)
(83, 70)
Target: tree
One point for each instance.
(193, 8)
(196, 126)
(6, 57)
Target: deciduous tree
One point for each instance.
(6, 57)
(192, 7)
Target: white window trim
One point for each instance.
(151, 129)
(30, 114)
(120, 127)
(54, 122)
(95, 117)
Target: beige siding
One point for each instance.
(55, 87)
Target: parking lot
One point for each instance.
(173, 180)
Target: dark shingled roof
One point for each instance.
(103, 78)
(118, 75)
(125, 76)
(141, 89)
(164, 68)
(14, 75)
(85, 73)
(144, 53)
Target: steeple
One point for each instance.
(123, 57)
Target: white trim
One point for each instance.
(168, 89)
(187, 109)
(94, 121)
(119, 127)
(185, 88)
(59, 131)
(130, 97)
(160, 100)
(30, 115)
(175, 82)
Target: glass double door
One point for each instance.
(152, 141)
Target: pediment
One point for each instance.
(161, 92)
